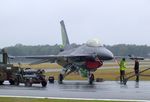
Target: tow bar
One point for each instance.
(126, 79)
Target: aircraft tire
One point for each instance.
(44, 83)
(60, 78)
(91, 79)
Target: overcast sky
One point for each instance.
(33, 22)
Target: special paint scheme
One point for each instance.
(84, 59)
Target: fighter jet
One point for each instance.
(84, 59)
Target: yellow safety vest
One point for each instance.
(122, 65)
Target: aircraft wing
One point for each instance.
(52, 58)
(40, 57)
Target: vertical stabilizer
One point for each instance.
(65, 39)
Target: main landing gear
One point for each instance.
(66, 71)
(91, 78)
(72, 68)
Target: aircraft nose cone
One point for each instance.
(109, 55)
(105, 54)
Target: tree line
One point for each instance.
(118, 50)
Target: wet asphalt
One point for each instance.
(81, 89)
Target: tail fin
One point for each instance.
(65, 39)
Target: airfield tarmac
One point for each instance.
(81, 89)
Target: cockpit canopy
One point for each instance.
(93, 43)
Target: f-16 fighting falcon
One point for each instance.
(84, 59)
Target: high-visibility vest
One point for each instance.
(122, 65)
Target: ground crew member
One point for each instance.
(122, 65)
(136, 70)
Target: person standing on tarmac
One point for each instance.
(122, 65)
(136, 70)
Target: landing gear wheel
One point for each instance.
(91, 79)
(44, 83)
(60, 78)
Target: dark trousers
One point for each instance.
(137, 75)
(122, 76)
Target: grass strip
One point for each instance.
(13, 99)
